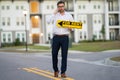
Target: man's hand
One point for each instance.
(70, 29)
(56, 11)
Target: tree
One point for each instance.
(17, 42)
(103, 32)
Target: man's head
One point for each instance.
(61, 6)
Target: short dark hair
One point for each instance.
(60, 2)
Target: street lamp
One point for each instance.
(0, 38)
(25, 14)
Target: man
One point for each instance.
(60, 39)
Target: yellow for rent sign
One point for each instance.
(69, 24)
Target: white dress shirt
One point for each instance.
(57, 30)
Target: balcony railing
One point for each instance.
(114, 23)
(113, 8)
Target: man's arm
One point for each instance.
(51, 18)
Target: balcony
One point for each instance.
(114, 8)
(113, 5)
(69, 5)
(114, 23)
(114, 20)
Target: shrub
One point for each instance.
(6, 44)
(17, 42)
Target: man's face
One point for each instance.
(61, 7)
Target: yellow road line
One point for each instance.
(47, 72)
(42, 74)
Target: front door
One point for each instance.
(35, 38)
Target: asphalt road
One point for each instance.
(37, 66)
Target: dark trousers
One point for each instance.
(60, 42)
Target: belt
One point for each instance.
(61, 35)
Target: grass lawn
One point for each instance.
(96, 46)
(116, 58)
(29, 46)
(83, 46)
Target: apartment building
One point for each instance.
(92, 13)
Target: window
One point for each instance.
(35, 21)
(3, 21)
(17, 7)
(84, 21)
(23, 39)
(69, 5)
(4, 38)
(8, 7)
(9, 35)
(9, 38)
(8, 22)
(4, 35)
(47, 6)
(85, 36)
(99, 36)
(22, 7)
(17, 21)
(99, 21)
(94, 6)
(22, 34)
(52, 7)
(80, 35)
(3, 7)
(95, 21)
(98, 6)
(22, 21)
(18, 35)
(34, 7)
(79, 7)
(83, 6)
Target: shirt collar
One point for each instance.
(60, 14)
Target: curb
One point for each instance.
(23, 51)
(108, 61)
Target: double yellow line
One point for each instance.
(44, 73)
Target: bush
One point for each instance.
(6, 44)
(94, 37)
(94, 41)
(17, 42)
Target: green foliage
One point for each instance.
(94, 37)
(96, 46)
(6, 44)
(17, 42)
(103, 31)
(88, 41)
(116, 59)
